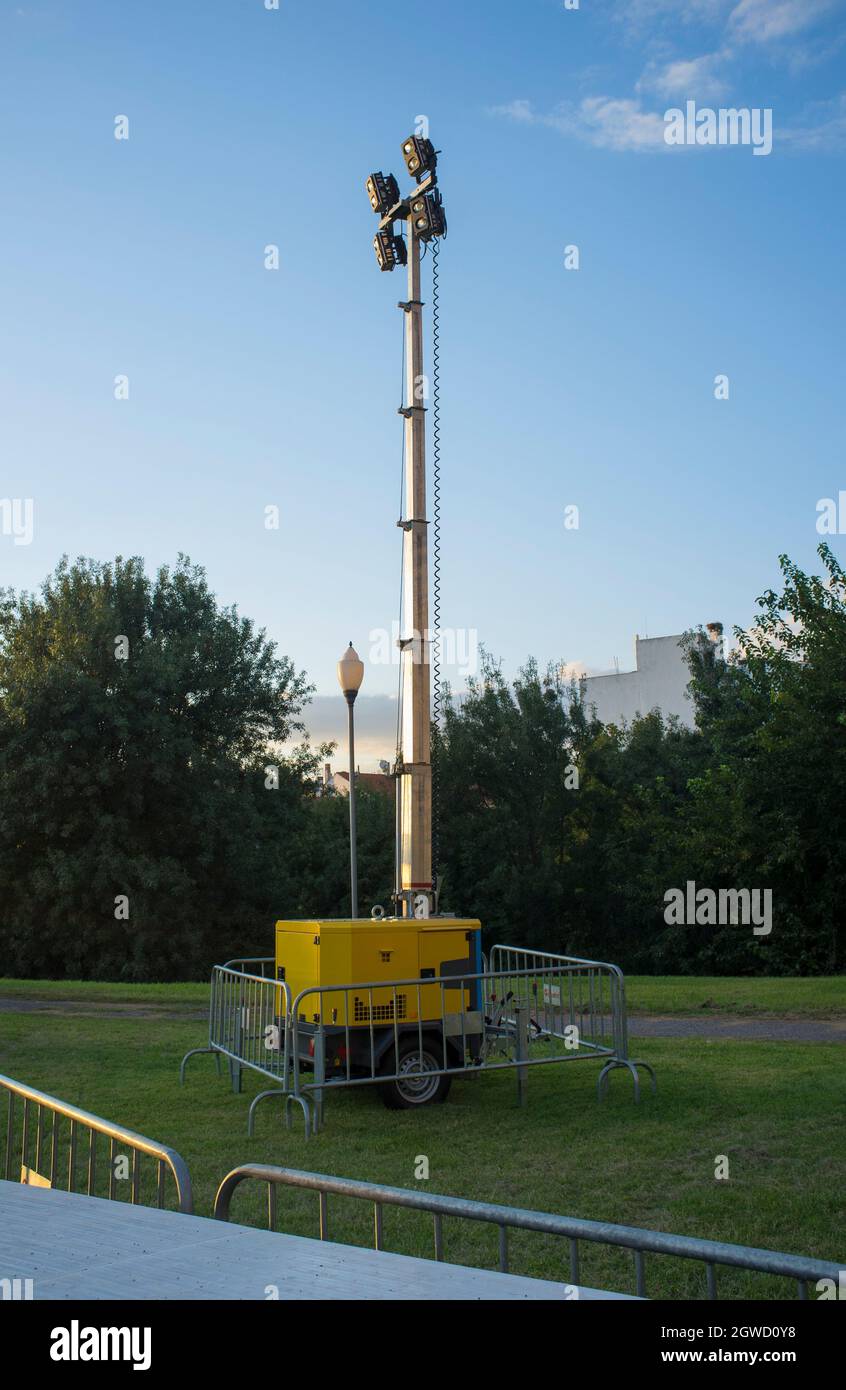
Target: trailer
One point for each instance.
(381, 1024)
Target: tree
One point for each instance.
(321, 864)
(142, 834)
(753, 798)
(776, 720)
(506, 756)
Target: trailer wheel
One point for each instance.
(406, 1094)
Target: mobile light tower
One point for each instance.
(398, 997)
(415, 893)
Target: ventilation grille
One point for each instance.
(380, 1013)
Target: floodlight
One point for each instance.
(383, 192)
(427, 216)
(420, 157)
(390, 250)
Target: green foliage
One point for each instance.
(322, 855)
(754, 797)
(136, 723)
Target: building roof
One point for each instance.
(368, 781)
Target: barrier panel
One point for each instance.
(803, 1270)
(594, 1000)
(248, 1024)
(34, 1134)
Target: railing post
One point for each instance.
(235, 1066)
(319, 1074)
(10, 1135)
(521, 1020)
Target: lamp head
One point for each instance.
(350, 673)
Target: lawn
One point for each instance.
(775, 1109)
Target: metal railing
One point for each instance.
(248, 1023)
(555, 1010)
(527, 1009)
(239, 962)
(249, 1026)
(376, 1010)
(43, 1105)
(592, 999)
(803, 1270)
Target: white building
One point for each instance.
(659, 681)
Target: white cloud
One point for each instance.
(610, 123)
(823, 127)
(616, 123)
(640, 14)
(686, 77)
(765, 21)
(515, 111)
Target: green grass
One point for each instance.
(814, 997)
(817, 997)
(776, 1110)
(106, 992)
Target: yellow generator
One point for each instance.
(369, 1027)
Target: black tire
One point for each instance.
(408, 1095)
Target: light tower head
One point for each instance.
(427, 215)
(421, 157)
(383, 192)
(390, 249)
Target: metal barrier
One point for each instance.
(239, 962)
(801, 1269)
(116, 1134)
(527, 1009)
(590, 984)
(249, 1025)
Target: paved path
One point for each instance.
(91, 1008)
(745, 1028)
(78, 1247)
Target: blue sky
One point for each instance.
(592, 388)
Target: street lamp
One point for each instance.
(350, 676)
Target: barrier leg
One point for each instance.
(303, 1103)
(632, 1067)
(195, 1052)
(251, 1113)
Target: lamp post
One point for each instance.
(350, 676)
